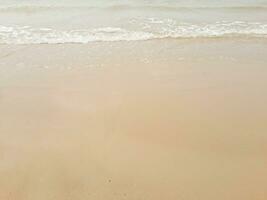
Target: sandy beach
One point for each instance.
(152, 120)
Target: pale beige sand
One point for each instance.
(159, 120)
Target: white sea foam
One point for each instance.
(148, 31)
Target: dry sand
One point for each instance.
(165, 120)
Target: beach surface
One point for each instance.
(151, 120)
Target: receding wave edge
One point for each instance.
(30, 35)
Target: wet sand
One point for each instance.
(170, 119)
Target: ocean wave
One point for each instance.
(30, 35)
(40, 8)
(37, 8)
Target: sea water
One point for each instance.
(85, 21)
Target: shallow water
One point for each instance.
(31, 21)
